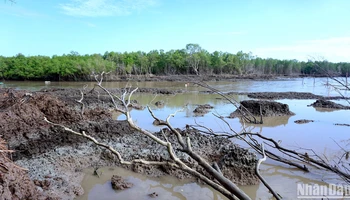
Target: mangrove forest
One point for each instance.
(193, 59)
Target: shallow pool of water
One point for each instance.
(314, 85)
(165, 187)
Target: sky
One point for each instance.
(282, 29)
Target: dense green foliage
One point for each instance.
(191, 60)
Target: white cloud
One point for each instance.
(335, 49)
(98, 8)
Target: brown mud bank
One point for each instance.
(155, 91)
(14, 180)
(193, 78)
(282, 95)
(201, 110)
(263, 108)
(161, 91)
(55, 158)
(291, 95)
(320, 103)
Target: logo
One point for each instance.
(330, 191)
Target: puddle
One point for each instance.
(284, 180)
(166, 187)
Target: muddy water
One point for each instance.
(313, 85)
(282, 179)
(165, 187)
(320, 135)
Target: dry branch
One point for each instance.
(220, 183)
(246, 115)
(297, 159)
(262, 178)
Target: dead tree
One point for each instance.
(301, 158)
(215, 179)
(343, 83)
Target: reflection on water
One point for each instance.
(268, 122)
(325, 109)
(318, 135)
(284, 180)
(316, 86)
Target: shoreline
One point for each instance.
(180, 78)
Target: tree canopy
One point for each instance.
(191, 60)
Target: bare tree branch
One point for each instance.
(80, 101)
(223, 185)
(247, 116)
(261, 178)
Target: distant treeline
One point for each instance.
(191, 60)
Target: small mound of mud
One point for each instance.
(291, 95)
(236, 163)
(303, 121)
(268, 108)
(327, 104)
(159, 103)
(135, 104)
(23, 121)
(157, 122)
(283, 95)
(202, 109)
(156, 91)
(118, 183)
(14, 181)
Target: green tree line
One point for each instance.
(193, 59)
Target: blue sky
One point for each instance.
(283, 29)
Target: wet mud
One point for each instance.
(263, 108)
(281, 95)
(320, 103)
(55, 159)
